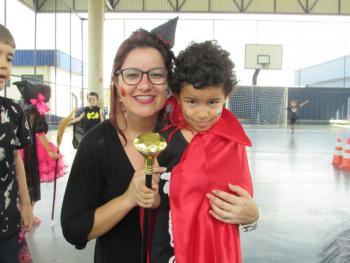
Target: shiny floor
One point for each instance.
(304, 201)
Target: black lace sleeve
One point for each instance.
(41, 125)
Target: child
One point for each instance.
(214, 157)
(293, 112)
(91, 116)
(14, 134)
(39, 158)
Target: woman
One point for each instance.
(106, 183)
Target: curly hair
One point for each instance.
(204, 65)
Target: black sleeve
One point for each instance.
(41, 125)
(23, 137)
(83, 193)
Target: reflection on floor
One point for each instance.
(304, 201)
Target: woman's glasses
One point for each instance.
(133, 76)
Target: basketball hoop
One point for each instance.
(264, 65)
(263, 56)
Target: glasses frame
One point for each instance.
(121, 71)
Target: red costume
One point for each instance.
(212, 160)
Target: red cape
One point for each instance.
(212, 160)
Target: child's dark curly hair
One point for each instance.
(202, 65)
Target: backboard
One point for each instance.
(263, 56)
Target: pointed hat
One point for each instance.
(30, 91)
(166, 31)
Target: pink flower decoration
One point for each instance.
(40, 104)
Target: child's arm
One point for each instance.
(25, 205)
(77, 119)
(46, 144)
(101, 116)
(304, 103)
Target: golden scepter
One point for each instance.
(149, 145)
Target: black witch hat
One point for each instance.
(166, 31)
(30, 91)
(34, 95)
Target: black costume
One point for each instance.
(92, 117)
(30, 158)
(100, 172)
(292, 114)
(14, 135)
(162, 243)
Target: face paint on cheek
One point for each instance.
(185, 113)
(122, 91)
(218, 112)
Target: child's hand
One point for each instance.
(27, 217)
(53, 155)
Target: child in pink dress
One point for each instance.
(41, 157)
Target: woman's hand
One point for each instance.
(139, 194)
(27, 217)
(237, 207)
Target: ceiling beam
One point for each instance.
(171, 4)
(247, 5)
(181, 5)
(333, 7)
(313, 5)
(239, 6)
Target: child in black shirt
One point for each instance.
(15, 208)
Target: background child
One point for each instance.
(14, 135)
(293, 112)
(40, 157)
(206, 152)
(90, 117)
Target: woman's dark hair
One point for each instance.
(202, 65)
(138, 39)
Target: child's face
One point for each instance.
(92, 100)
(201, 108)
(6, 56)
(293, 103)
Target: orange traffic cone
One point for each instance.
(345, 163)
(338, 153)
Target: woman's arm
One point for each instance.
(25, 205)
(137, 194)
(84, 216)
(234, 207)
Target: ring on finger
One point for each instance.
(226, 215)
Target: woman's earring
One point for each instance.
(121, 104)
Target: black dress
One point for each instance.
(100, 172)
(30, 157)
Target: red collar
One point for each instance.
(230, 128)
